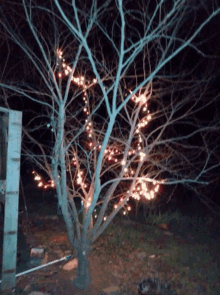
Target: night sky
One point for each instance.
(15, 67)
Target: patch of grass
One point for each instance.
(191, 221)
(196, 228)
(125, 236)
(156, 218)
(197, 220)
(194, 263)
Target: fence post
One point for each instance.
(11, 199)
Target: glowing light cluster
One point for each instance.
(79, 178)
(89, 128)
(126, 208)
(80, 82)
(142, 156)
(111, 154)
(43, 183)
(59, 53)
(88, 203)
(143, 123)
(67, 70)
(140, 99)
(142, 189)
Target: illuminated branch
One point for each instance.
(115, 113)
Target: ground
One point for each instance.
(123, 256)
(111, 264)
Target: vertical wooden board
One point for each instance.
(3, 143)
(11, 200)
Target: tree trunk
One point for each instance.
(82, 280)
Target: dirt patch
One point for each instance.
(123, 256)
(49, 232)
(111, 264)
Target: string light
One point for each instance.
(142, 189)
(142, 156)
(43, 183)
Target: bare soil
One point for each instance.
(112, 262)
(123, 266)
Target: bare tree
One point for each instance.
(116, 117)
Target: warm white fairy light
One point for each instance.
(156, 189)
(131, 152)
(88, 203)
(59, 53)
(141, 190)
(142, 99)
(43, 183)
(37, 177)
(142, 156)
(79, 178)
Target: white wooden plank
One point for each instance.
(11, 201)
